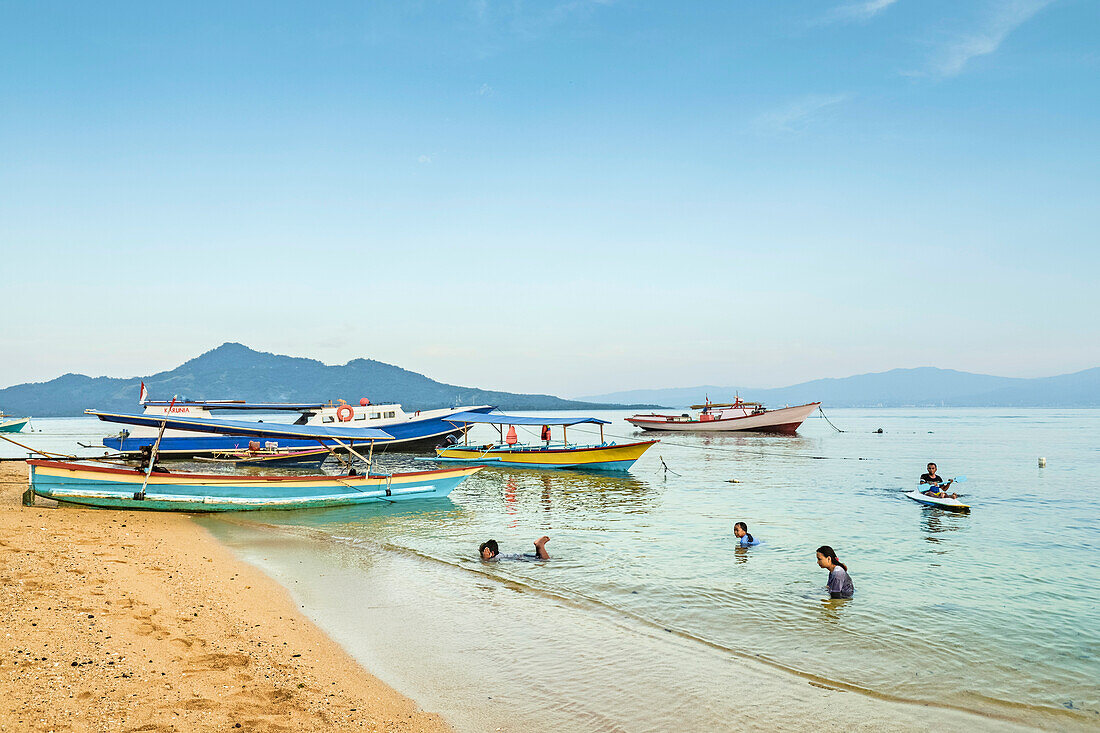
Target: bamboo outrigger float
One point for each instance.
(603, 456)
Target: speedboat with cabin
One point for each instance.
(409, 431)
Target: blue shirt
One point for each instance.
(746, 542)
(840, 583)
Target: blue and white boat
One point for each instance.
(409, 431)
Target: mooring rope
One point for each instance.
(834, 427)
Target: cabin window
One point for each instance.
(376, 416)
(361, 416)
(390, 414)
(328, 418)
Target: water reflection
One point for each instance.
(432, 510)
(832, 609)
(565, 490)
(940, 521)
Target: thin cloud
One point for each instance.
(859, 11)
(424, 159)
(796, 115)
(1009, 16)
(533, 18)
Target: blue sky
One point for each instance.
(572, 197)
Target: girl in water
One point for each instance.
(840, 583)
(744, 539)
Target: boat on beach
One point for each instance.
(152, 487)
(508, 451)
(118, 487)
(419, 429)
(728, 417)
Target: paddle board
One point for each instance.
(944, 503)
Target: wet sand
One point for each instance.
(140, 621)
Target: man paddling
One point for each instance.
(939, 488)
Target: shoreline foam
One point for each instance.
(118, 620)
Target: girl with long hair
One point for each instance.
(840, 583)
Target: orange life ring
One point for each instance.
(344, 413)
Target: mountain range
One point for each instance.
(920, 387)
(234, 371)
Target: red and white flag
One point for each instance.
(144, 396)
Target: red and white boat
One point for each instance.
(728, 417)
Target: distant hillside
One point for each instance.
(234, 371)
(922, 387)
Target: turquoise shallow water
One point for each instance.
(994, 611)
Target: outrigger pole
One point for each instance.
(351, 450)
(140, 495)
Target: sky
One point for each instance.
(568, 196)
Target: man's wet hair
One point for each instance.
(492, 545)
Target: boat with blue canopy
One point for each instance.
(547, 453)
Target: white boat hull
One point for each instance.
(783, 420)
(945, 502)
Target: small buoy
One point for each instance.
(364, 402)
(879, 431)
(1042, 463)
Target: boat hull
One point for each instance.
(115, 488)
(591, 458)
(406, 438)
(953, 505)
(13, 426)
(784, 420)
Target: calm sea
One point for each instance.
(648, 617)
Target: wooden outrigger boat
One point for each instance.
(728, 417)
(545, 454)
(153, 488)
(129, 488)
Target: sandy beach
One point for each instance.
(140, 621)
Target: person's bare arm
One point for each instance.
(540, 548)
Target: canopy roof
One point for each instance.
(245, 427)
(477, 417)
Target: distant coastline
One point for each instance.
(234, 371)
(919, 387)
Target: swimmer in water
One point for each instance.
(840, 583)
(939, 488)
(490, 551)
(744, 539)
